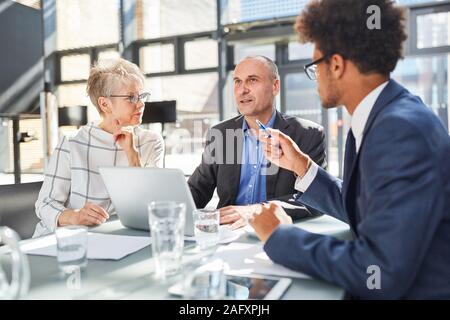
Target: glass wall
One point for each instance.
(241, 11)
(182, 67)
(427, 77)
(415, 2)
(197, 110)
(163, 18)
(86, 23)
(181, 63)
(156, 58)
(433, 30)
(200, 53)
(238, 11)
(83, 24)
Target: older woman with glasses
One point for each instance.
(73, 192)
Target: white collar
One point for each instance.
(362, 112)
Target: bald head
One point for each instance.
(271, 66)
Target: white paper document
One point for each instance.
(100, 246)
(247, 258)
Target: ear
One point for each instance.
(104, 104)
(276, 87)
(337, 66)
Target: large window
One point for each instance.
(201, 53)
(243, 49)
(86, 31)
(241, 11)
(86, 23)
(415, 2)
(433, 30)
(74, 71)
(175, 44)
(75, 67)
(163, 18)
(427, 77)
(298, 51)
(302, 99)
(156, 58)
(197, 111)
(180, 60)
(237, 11)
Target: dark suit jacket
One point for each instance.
(396, 199)
(221, 160)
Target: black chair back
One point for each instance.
(17, 209)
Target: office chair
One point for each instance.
(17, 207)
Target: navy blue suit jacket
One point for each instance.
(396, 201)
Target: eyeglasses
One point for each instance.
(311, 68)
(133, 99)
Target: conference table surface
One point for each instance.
(133, 276)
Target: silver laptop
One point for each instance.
(132, 189)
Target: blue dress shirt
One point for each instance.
(252, 183)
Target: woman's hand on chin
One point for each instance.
(124, 137)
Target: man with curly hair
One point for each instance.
(395, 192)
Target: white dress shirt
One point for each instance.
(358, 123)
(72, 177)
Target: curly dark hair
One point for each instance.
(340, 27)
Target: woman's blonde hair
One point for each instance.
(108, 75)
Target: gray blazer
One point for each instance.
(220, 167)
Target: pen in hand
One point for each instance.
(267, 134)
(263, 128)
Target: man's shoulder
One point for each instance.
(407, 121)
(409, 112)
(295, 122)
(301, 123)
(233, 123)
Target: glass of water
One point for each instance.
(167, 220)
(72, 244)
(206, 281)
(206, 227)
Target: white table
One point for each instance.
(132, 277)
